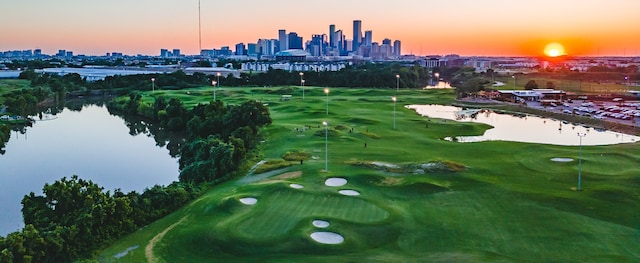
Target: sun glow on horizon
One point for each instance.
(554, 50)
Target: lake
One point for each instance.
(525, 128)
(90, 143)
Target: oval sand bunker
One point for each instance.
(349, 192)
(320, 223)
(562, 160)
(296, 186)
(248, 200)
(335, 182)
(327, 238)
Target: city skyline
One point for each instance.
(489, 28)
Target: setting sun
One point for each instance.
(554, 50)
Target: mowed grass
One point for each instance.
(578, 87)
(511, 204)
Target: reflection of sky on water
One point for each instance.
(438, 85)
(90, 143)
(526, 129)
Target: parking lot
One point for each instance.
(616, 110)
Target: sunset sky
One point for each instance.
(425, 27)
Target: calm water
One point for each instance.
(92, 144)
(438, 85)
(524, 129)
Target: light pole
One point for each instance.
(514, 81)
(302, 83)
(437, 79)
(213, 82)
(326, 145)
(626, 78)
(326, 91)
(153, 85)
(580, 134)
(397, 82)
(394, 112)
(218, 77)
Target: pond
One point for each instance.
(90, 143)
(525, 128)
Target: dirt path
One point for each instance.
(148, 250)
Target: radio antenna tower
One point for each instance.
(199, 29)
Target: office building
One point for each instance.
(252, 49)
(164, 53)
(283, 39)
(176, 52)
(368, 38)
(332, 36)
(295, 42)
(357, 35)
(397, 48)
(240, 49)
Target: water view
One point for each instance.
(523, 128)
(89, 143)
(438, 85)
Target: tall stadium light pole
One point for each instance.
(397, 82)
(214, 89)
(580, 134)
(326, 91)
(302, 83)
(394, 112)
(326, 145)
(153, 85)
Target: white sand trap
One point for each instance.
(248, 200)
(562, 160)
(349, 192)
(320, 223)
(327, 238)
(296, 186)
(335, 182)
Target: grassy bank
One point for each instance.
(421, 198)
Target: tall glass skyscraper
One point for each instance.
(357, 34)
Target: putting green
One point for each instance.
(280, 212)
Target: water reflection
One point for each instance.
(523, 128)
(438, 85)
(87, 141)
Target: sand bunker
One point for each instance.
(327, 238)
(349, 192)
(562, 160)
(296, 186)
(248, 200)
(335, 182)
(320, 223)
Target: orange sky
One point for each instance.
(466, 27)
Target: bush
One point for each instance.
(296, 156)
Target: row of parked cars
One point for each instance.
(626, 111)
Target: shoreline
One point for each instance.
(505, 107)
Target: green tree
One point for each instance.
(531, 84)
(551, 85)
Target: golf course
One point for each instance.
(352, 175)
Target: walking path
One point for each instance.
(148, 250)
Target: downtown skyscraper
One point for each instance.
(357, 34)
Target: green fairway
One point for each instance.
(422, 199)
